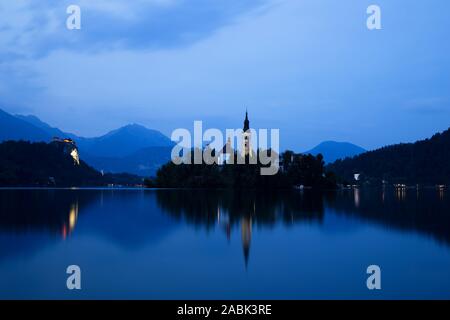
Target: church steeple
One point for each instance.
(246, 122)
(246, 137)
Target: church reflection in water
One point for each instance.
(133, 217)
(243, 210)
(223, 221)
(228, 210)
(246, 233)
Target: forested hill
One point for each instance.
(41, 164)
(48, 165)
(423, 162)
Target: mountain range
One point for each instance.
(133, 148)
(13, 128)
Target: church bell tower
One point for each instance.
(246, 138)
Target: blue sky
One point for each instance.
(308, 67)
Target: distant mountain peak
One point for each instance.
(125, 141)
(134, 129)
(334, 150)
(133, 126)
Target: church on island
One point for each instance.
(246, 153)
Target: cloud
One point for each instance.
(309, 67)
(31, 28)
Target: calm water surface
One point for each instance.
(217, 244)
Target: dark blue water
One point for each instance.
(216, 244)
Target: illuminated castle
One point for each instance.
(69, 146)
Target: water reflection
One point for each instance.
(68, 227)
(205, 208)
(395, 208)
(356, 197)
(133, 218)
(441, 193)
(175, 243)
(54, 211)
(425, 211)
(246, 234)
(400, 193)
(241, 210)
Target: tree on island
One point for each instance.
(295, 170)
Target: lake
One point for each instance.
(217, 244)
